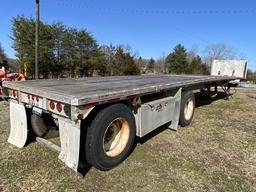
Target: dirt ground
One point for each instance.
(216, 153)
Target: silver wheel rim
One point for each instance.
(116, 137)
(189, 108)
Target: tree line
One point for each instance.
(66, 51)
(180, 61)
(69, 52)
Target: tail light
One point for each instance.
(59, 107)
(52, 105)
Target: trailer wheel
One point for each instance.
(110, 137)
(187, 108)
(42, 125)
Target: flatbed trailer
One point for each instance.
(98, 118)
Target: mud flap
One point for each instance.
(70, 142)
(19, 132)
(176, 111)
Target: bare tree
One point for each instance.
(109, 53)
(192, 53)
(128, 49)
(142, 64)
(160, 65)
(218, 51)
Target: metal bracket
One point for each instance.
(136, 102)
(226, 88)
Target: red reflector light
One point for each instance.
(28, 97)
(59, 107)
(33, 97)
(52, 105)
(37, 99)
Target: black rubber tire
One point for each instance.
(95, 154)
(185, 96)
(41, 125)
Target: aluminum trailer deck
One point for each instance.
(99, 89)
(98, 118)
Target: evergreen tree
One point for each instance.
(24, 44)
(58, 68)
(195, 66)
(87, 52)
(177, 60)
(23, 35)
(2, 55)
(3, 59)
(62, 50)
(126, 63)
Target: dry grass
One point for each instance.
(216, 153)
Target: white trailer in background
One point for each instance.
(98, 118)
(233, 68)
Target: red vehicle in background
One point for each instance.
(5, 75)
